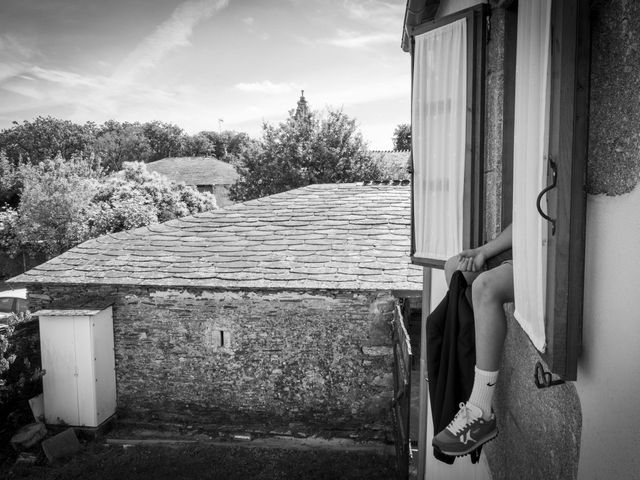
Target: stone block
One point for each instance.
(37, 407)
(61, 445)
(28, 436)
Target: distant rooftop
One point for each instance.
(335, 236)
(195, 170)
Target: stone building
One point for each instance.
(270, 315)
(207, 174)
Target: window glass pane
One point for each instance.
(6, 304)
(21, 305)
(439, 108)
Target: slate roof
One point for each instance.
(195, 170)
(334, 236)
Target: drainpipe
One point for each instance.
(424, 404)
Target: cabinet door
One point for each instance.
(104, 362)
(60, 382)
(86, 373)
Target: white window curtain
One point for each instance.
(529, 166)
(439, 108)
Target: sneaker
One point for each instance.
(466, 432)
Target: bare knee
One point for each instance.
(487, 289)
(450, 266)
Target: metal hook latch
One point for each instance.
(544, 379)
(554, 174)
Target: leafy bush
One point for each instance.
(20, 366)
(8, 225)
(67, 202)
(10, 182)
(135, 197)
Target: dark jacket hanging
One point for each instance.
(450, 356)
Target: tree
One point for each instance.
(303, 151)
(10, 183)
(117, 143)
(46, 137)
(165, 139)
(402, 137)
(228, 145)
(198, 145)
(51, 210)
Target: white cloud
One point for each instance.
(24, 90)
(383, 89)
(375, 12)
(9, 70)
(248, 21)
(173, 33)
(66, 79)
(267, 87)
(14, 47)
(352, 40)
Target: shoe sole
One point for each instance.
(479, 443)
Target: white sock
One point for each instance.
(484, 384)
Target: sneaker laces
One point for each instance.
(461, 420)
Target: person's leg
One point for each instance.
(475, 424)
(491, 290)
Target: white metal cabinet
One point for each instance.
(79, 386)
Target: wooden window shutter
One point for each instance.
(568, 138)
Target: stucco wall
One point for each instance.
(592, 423)
(304, 362)
(609, 368)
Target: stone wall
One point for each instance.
(539, 429)
(270, 361)
(614, 111)
(494, 126)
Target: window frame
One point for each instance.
(473, 197)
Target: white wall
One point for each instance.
(609, 369)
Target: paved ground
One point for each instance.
(150, 457)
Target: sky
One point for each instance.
(204, 64)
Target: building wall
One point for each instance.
(588, 429)
(296, 362)
(585, 429)
(609, 369)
